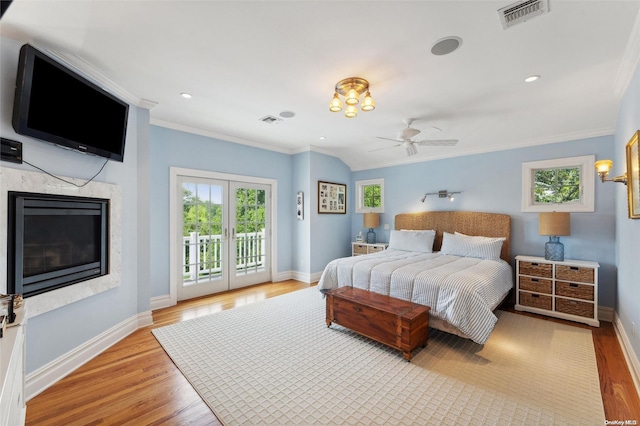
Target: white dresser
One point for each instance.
(12, 366)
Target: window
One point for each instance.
(561, 184)
(370, 196)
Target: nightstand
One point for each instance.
(567, 289)
(365, 248)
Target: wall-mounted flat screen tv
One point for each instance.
(54, 104)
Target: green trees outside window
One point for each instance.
(559, 185)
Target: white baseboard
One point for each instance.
(159, 302)
(47, 375)
(281, 276)
(605, 313)
(305, 277)
(629, 355)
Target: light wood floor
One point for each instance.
(135, 383)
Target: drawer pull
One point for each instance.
(534, 264)
(535, 280)
(573, 285)
(574, 268)
(535, 295)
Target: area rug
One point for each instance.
(276, 362)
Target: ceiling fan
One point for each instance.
(410, 145)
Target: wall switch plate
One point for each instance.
(11, 151)
(386, 226)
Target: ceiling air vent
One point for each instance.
(270, 119)
(522, 11)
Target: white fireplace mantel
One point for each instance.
(26, 181)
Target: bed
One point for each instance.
(457, 263)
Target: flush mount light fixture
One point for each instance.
(351, 89)
(531, 78)
(186, 95)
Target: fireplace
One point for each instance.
(55, 241)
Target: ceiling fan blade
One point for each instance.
(438, 142)
(389, 139)
(386, 147)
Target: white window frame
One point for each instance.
(360, 184)
(587, 184)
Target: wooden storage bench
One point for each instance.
(397, 323)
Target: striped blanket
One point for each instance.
(463, 291)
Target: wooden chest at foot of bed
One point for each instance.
(401, 324)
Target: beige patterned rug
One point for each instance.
(276, 362)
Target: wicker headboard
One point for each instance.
(470, 223)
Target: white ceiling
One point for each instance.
(243, 60)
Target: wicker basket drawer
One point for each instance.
(536, 269)
(359, 249)
(578, 291)
(375, 249)
(575, 273)
(538, 285)
(535, 300)
(574, 307)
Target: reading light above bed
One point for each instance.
(442, 194)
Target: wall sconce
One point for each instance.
(442, 194)
(603, 167)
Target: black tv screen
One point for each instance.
(54, 104)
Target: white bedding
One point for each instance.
(463, 291)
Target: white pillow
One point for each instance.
(471, 246)
(421, 241)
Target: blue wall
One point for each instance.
(628, 230)
(492, 182)
(330, 233)
(172, 148)
(301, 181)
(57, 332)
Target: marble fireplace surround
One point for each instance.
(26, 181)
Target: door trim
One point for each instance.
(174, 172)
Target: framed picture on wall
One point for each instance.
(332, 198)
(633, 176)
(300, 205)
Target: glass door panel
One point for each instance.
(203, 237)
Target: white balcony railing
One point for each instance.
(202, 255)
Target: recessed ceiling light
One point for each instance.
(186, 95)
(287, 114)
(446, 45)
(531, 78)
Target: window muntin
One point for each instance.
(370, 196)
(561, 184)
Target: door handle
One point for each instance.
(233, 233)
(226, 233)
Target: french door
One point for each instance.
(225, 235)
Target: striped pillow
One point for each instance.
(421, 241)
(470, 246)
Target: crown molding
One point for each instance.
(90, 72)
(630, 61)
